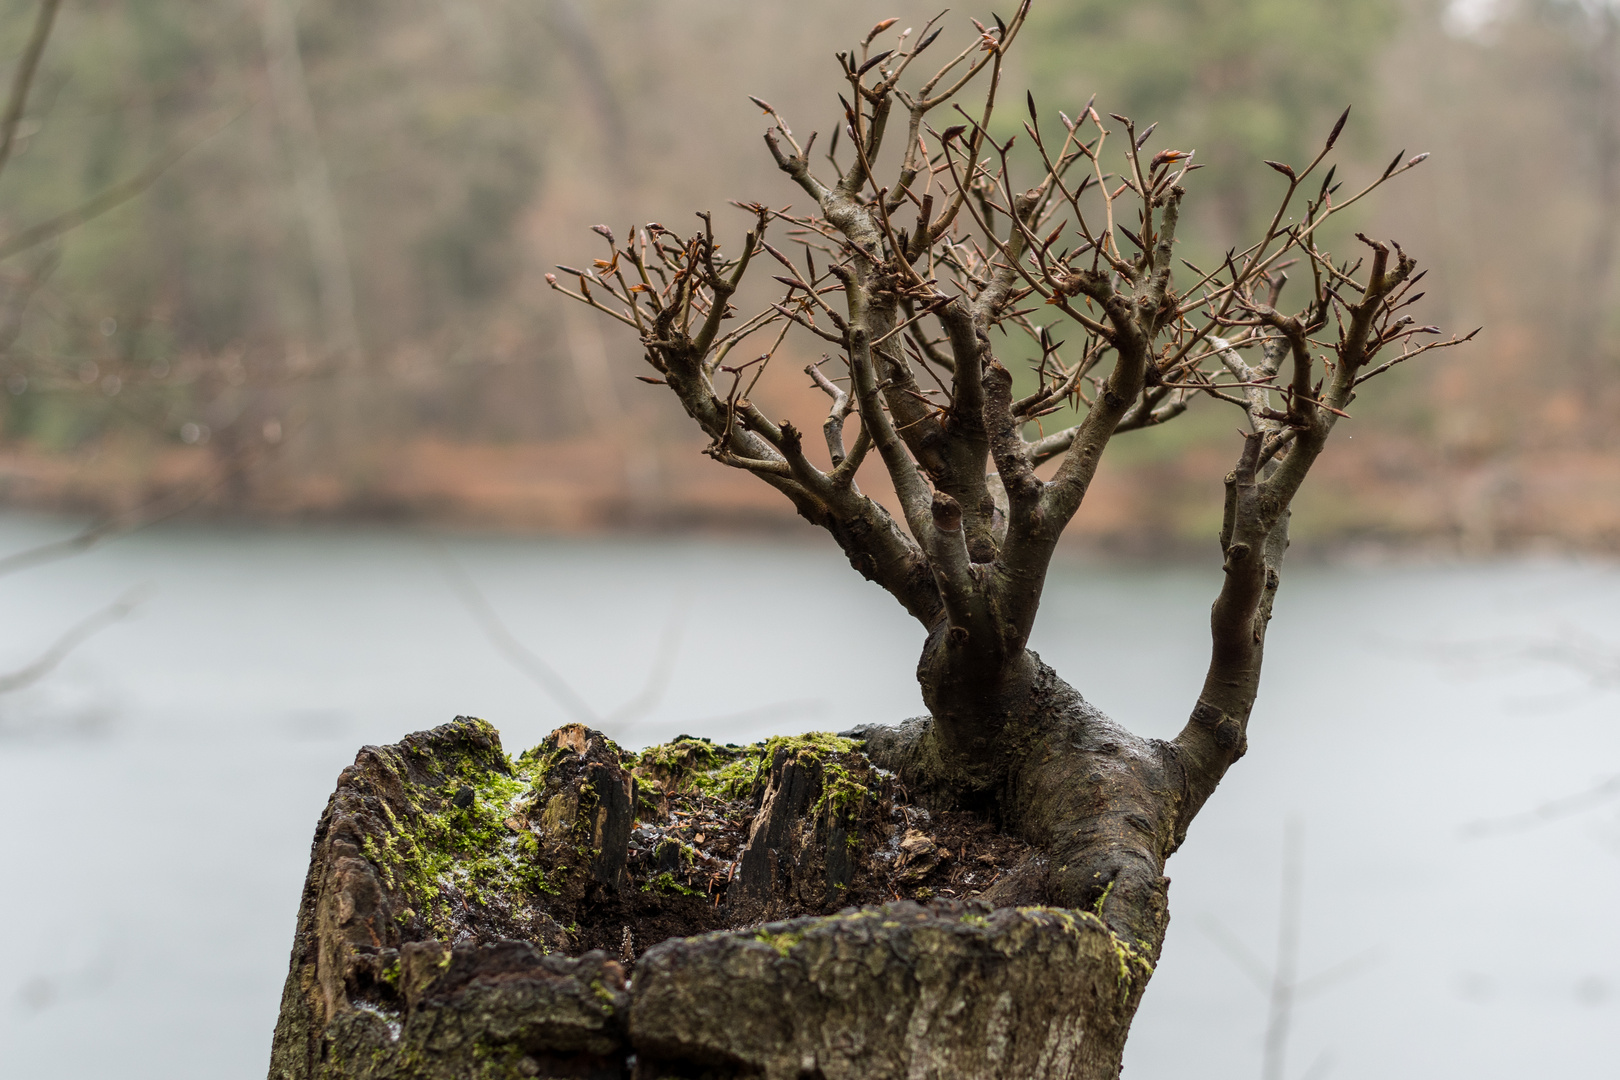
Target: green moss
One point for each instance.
(782, 942)
(646, 805)
(604, 995)
(665, 883)
(440, 855)
(814, 746)
(436, 845)
(682, 757)
(1097, 908)
(1130, 961)
(735, 772)
(368, 848)
(735, 780)
(537, 761)
(841, 793)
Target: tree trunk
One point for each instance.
(1091, 811)
(717, 911)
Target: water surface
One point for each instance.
(159, 789)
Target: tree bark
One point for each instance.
(454, 895)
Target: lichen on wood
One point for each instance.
(468, 913)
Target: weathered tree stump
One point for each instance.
(692, 911)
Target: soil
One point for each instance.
(687, 844)
(921, 856)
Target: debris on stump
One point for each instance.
(471, 914)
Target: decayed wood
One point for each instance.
(455, 894)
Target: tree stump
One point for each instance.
(782, 911)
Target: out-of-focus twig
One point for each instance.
(87, 628)
(547, 677)
(658, 676)
(151, 512)
(519, 655)
(774, 713)
(110, 198)
(1547, 812)
(27, 66)
(1280, 982)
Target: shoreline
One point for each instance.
(1398, 504)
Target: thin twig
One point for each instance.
(78, 635)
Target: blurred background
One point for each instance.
(298, 452)
(332, 304)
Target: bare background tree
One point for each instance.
(17, 297)
(144, 508)
(453, 163)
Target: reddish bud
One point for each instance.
(878, 29)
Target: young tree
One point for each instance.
(906, 278)
(403, 968)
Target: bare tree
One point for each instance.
(968, 562)
(12, 311)
(1601, 41)
(906, 279)
(398, 970)
(312, 184)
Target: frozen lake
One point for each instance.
(159, 789)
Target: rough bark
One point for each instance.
(903, 990)
(1105, 806)
(454, 896)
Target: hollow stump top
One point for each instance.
(471, 915)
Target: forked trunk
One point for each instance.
(980, 894)
(1104, 805)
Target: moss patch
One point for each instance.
(438, 850)
(735, 772)
(666, 883)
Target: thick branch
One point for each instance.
(1068, 488)
(908, 484)
(1254, 533)
(967, 448)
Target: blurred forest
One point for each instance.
(321, 293)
